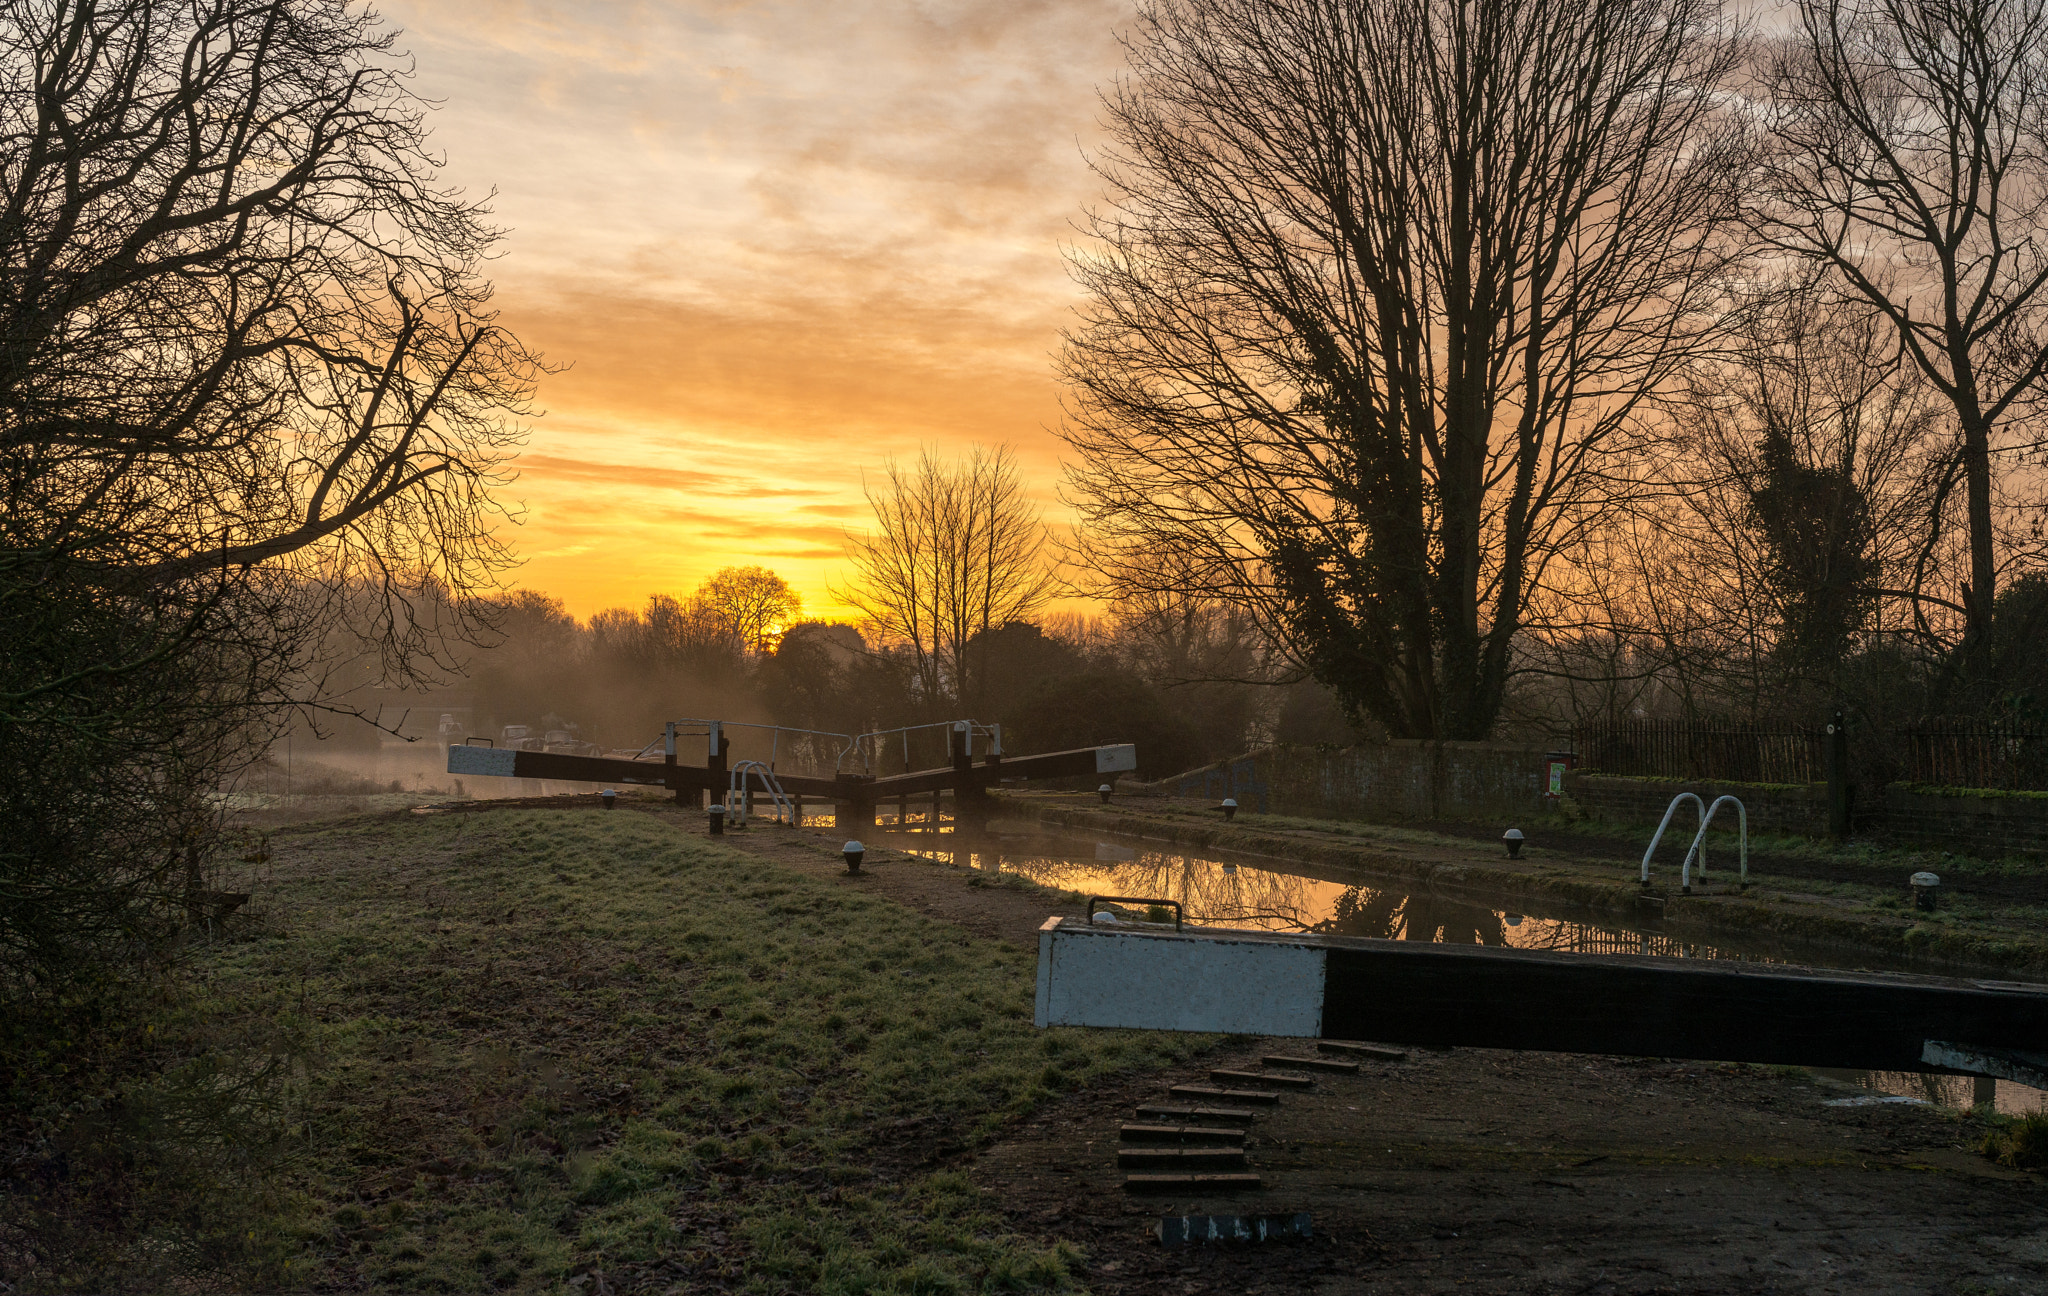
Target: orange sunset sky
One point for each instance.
(776, 242)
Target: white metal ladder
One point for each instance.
(1699, 839)
(738, 800)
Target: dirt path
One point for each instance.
(1490, 1171)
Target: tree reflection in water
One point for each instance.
(1207, 892)
(1247, 896)
(1393, 915)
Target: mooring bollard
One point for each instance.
(1229, 809)
(1103, 792)
(852, 853)
(608, 797)
(717, 816)
(1926, 890)
(1512, 839)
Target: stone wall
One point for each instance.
(1772, 808)
(1988, 825)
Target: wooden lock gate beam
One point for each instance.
(961, 776)
(1409, 992)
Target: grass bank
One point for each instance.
(511, 1050)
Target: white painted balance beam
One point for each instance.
(1239, 983)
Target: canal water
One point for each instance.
(1218, 889)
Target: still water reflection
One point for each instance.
(1222, 892)
(1219, 891)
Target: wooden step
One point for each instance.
(1258, 1078)
(1258, 1097)
(1185, 1114)
(1189, 1183)
(1311, 1064)
(1374, 1051)
(1180, 1134)
(1171, 1159)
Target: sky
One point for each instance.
(775, 243)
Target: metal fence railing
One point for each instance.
(1700, 749)
(1973, 754)
(1940, 751)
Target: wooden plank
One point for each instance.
(1060, 764)
(2005, 1064)
(506, 763)
(1180, 1134)
(1171, 1159)
(1189, 1183)
(1194, 1114)
(1259, 1097)
(1373, 1051)
(1713, 1009)
(1315, 1064)
(1259, 1078)
(608, 769)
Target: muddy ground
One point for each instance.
(1486, 1171)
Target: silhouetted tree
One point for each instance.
(957, 551)
(1909, 158)
(248, 374)
(1377, 296)
(1107, 706)
(753, 602)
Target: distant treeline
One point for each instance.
(1187, 685)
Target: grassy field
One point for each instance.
(522, 1049)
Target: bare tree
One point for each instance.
(753, 601)
(249, 382)
(1375, 304)
(1910, 159)
(1805, 467)
(241, 322)
(957, 550)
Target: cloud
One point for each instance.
(777, 242)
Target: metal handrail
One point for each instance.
(852, 744)
(1699, 844)
(714, 727)
(971, 727)
(1699, 839)
(1665, 822)
(1179, 911)
(736, 801)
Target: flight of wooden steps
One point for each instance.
(1197, 1146)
